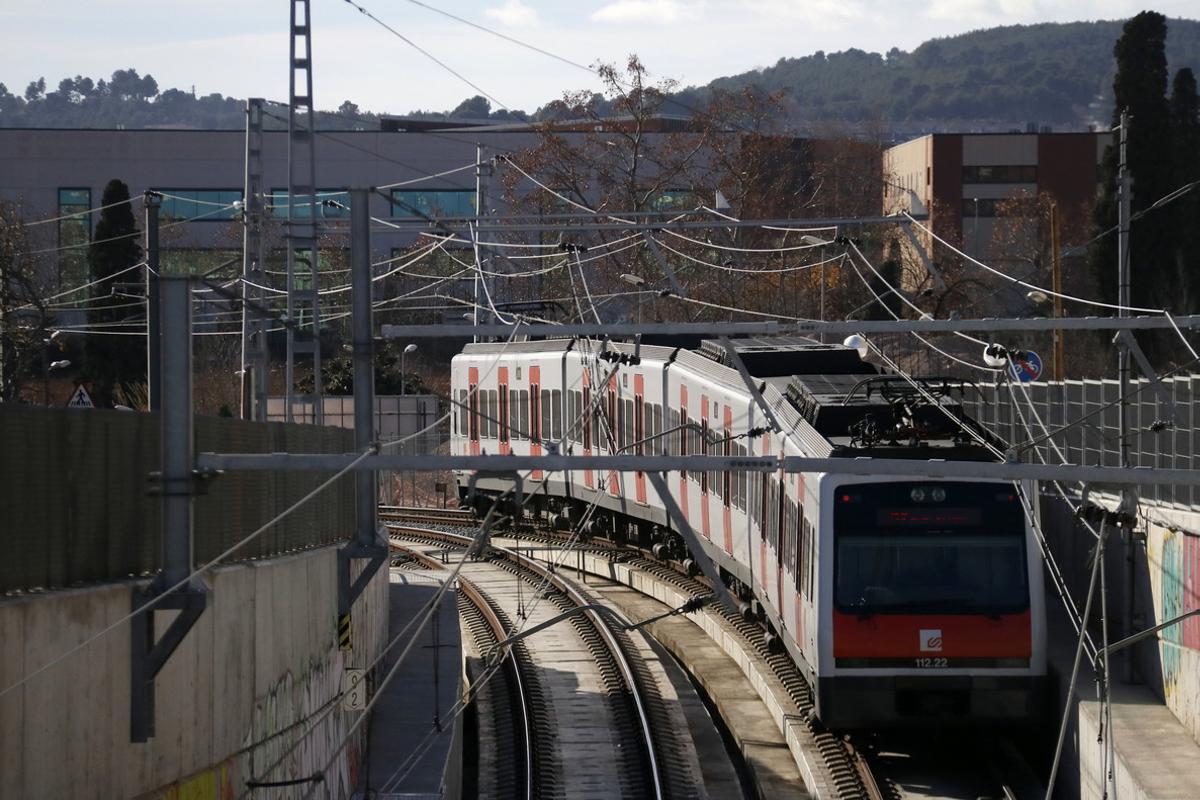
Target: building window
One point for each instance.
(433, 203)
(203, 205)
(675, 199)
(74, 232)
(979, 207)
(198, 261)
(1000, 174)
(338, 206)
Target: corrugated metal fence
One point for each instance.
(1160, 434)
(75, 505)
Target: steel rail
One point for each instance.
(597, 620)
(473, 593)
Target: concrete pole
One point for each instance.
(482, 170)
(364, 364)
(153, 314)
(176, 444)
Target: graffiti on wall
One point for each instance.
(1180, 593)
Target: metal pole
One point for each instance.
(153, 313)
(254, 324)
(822, 257)
(176, 444)
(1060, 359)
(1124, 200)
(480, 213)
(364, 366)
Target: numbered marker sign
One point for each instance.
(1025, 369)
(354, 690)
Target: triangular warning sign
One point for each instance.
(80, 398)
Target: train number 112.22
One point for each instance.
(931, 663)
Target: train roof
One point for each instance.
(891, 416)
(788, 355)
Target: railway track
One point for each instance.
(861, 765)
(419, 516)
(569, 700)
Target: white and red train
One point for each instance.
(902, 600)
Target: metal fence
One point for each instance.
(1163, 431)
(76, 504)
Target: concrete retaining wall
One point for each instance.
(262, 657)
(1173, 555)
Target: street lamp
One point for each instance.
(638, 281)
(47, 365)
(408, 348)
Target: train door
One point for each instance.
(639, 432)
(535, 416)
(473, 409)
(502, 411)
(614, 432)
(727, 482)
(704, 474)
(684, 438)
(586, 417)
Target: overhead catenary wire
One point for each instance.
(84, 213)
(425, 52)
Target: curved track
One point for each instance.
(864, 765)
(583, 691)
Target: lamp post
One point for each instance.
(638, 281)
(408, 348)
(47, 365)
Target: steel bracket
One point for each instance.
(149, 656)
(349, 591)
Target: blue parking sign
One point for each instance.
(1025, 368)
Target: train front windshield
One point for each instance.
(929, 548)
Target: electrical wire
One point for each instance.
(729, 249)
(80, 213)
(424, 52)
(763, 271)
(1026, 284)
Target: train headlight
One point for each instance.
(917, 495)
(937, 494)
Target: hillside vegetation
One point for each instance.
(999, 78)
(1048, 74)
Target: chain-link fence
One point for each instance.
(77, 504)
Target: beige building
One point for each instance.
(970, 187)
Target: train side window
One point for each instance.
(523, 419)
(473, 405)
(493, 429)
(685, 435)
(630, 425)
(640, 413)
(463, 413)
(801, 556)
(547, 429)
(514, 414)
(556, 414)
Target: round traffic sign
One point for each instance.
(1026, 367)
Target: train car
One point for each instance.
(903, 601)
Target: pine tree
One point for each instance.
(1140, 88)
(114, 361)
(1185, 125)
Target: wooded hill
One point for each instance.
(998, 78)
(995, 79)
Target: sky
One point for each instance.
(239, 47)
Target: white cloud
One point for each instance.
(662, 12)
(513, 14)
